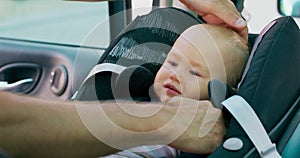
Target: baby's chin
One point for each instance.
(165, 99)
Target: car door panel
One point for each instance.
(51, 67)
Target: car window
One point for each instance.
(56, 21)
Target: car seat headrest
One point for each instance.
(135, 83)
(218, 91)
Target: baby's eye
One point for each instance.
(172, 63)
(195, 73)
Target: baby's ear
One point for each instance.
(218, 91)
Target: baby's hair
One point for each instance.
(238, 55)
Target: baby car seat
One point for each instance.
(268, 97)
(269, 89)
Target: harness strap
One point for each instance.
(251, 124)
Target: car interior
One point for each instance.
(266, 122)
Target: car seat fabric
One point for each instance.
(270, 84)
(144, 43)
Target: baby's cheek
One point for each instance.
(158, 90)
(194, 91)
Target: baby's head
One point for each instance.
(202, 52)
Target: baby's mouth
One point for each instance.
(171, 89)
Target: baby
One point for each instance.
(201, 53)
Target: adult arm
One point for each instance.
(220, 12)
(207, 130)
(32, 127)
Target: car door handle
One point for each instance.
(4, 86)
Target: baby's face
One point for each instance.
(184, 73)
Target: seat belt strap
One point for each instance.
(251, 124)
(109, 67)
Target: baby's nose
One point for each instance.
(175, 77)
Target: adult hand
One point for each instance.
(206, 131)
(220, 12)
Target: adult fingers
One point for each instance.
(230, 15)
(219, 10)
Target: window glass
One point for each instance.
(142, 7)
(55, 21)
(289, 7)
